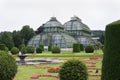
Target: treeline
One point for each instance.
(17, 38)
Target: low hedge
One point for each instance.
(56, 49)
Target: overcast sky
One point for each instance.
(95, 13)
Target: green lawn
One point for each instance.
(26, 71)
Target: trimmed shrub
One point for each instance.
(89, 49)
(111, 57)
(42, 47)
(6, 49)
(81, 47)
(56, 49)
(23, 50)
(21, 46)
(73, 70)
(30, 49)
(8, 66)
(49, 48)
(76, 47)
(14, 50)
(2, 47)
(38, 50)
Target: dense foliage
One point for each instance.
(40, 29)
(8, 67)
(14, 50)
(56, 49)
(17, 38)
(41, 47)
(30, 49)
(38, 50)
(89, 49)
(73, 70)
(21, 46)
(49, 48)
(76, 47)
(111, 58)
(6, 39)
(2, 47)
(23, 50)
(27, 33)
(81, 47)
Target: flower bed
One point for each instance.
(94, 58)
(95, 75)
(53, 70)
(93, 63)
(44, 75)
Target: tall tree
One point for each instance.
(6, 39)
(40, 29)
(17, 38)
(27, 33)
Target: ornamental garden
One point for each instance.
(59, 60)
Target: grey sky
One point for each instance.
(95, 13)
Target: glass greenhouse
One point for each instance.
(79, 30)
(54, 35)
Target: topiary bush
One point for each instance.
(81, 47)
(38, 50)
(111, 57)
(56, 49)
(23, 50)
(89, 49)
(49, 48)
(76, 47)
(73, 70)
(6, 49)
(30, 49)
(2, 47)
(14, 50)
(41, 47)
(21, 46)
(8, 66)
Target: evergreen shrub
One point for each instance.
(14, 50)
(2, 47)
(81, 47)
(73, 70)
(30, 49)
(23, 50)
(89, 49)
(38, 50)
(56, 49)
(8, 66)
(49, 48)
(21, 46)
(111, 57)
(41, 47)
(76, 47)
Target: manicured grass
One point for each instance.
(26, 71)
(66, 54)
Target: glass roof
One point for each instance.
(75, 24)
(53, 22)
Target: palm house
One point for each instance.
(53, 34)
(79, 30)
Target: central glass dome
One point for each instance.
(54, 35)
